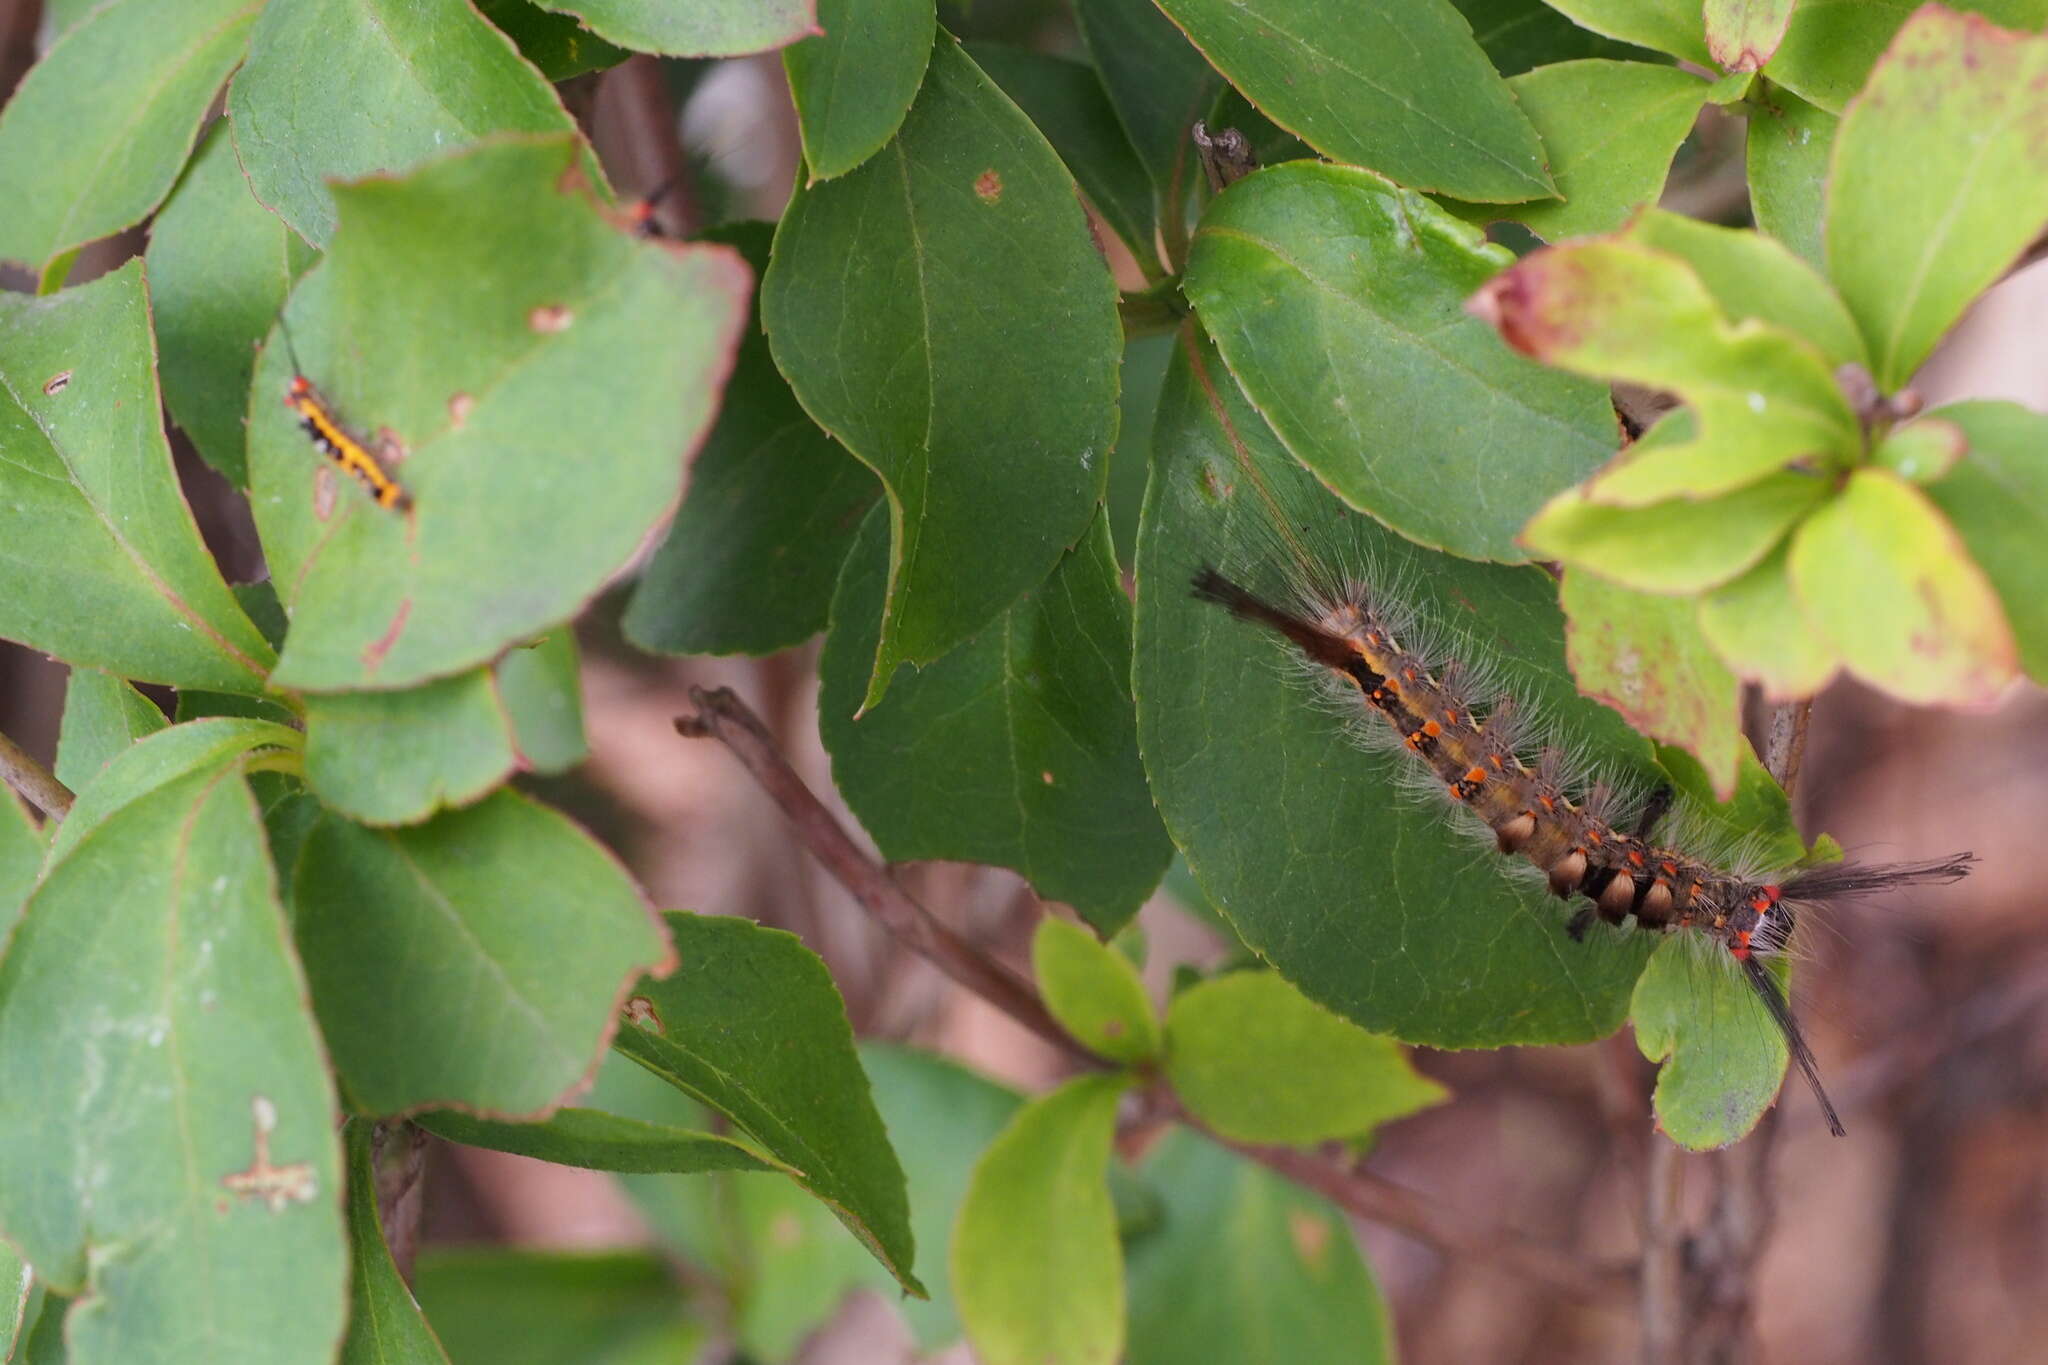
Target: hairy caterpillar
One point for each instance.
(1583, 855)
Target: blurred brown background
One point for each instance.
(1921, 1237)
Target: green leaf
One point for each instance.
(79, 161)
(475, 960)
(220, 265)
(1065, 99)
(22, 846)
(1397, 85)
(1258, 1061)
(1019, 748)
(541, 684)
(1359, 894)
(1672, 26)
(1517, 35)
(1036, 1267)
(105, 568)
(985, 399)
(1094, 992)
(394, 758)
(338, 89)
(1758, 818)
(498, 1307)
(555, 43)
(598, 1141)
(103, 715)
(1753, 276)
(1145, 360)
(1997, 499)
(1742, 34)
(1761, 398)
(751, 1025)
(1756, 624)
(1647, 657)
(19, 1303)
(1828, 52)
(161, 758)
(853, 83)
(1723, 1058)
(384, 1324)
(509, 313)
(1246, 1268)
(1790, 144)
(166, 1120)
(1338, 301)
(1610, 130)
(1158, 83)
(1886, 580)
(701, 28)
(768, 489)
(1921, 451)
(1680, 546)
(1965, 104)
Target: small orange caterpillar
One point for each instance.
(1350, 638)
(330, 438)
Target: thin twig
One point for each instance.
(724, 717)
(33, 780)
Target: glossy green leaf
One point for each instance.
(1065, 99)
(1723, 1058)
(1673, 26)
(336, 89)
(1338, 301)
(475, 960)
(853, 83)
(1790, 145)
(1610, 130)
(1094, 992)
(1397, 85)
(492, 1306)
(1358, 893)
(1158, 83)
(555, 43)
(985, 399)
(768, 489)
(384, 1323)
(166, 1118)
(1518, 35)
(1145, 360)
(95, 134)
(1997, 499)
(1886, 580)
(1832, 45)
(1761, 398)
(1019, 748)
(1246, 1268)
(1756, 624)
(104, 566)
(527, 343)
(701, 28)
(598, 1141)
(102, 716)
(1645, 656)
(161, 758)
(220, 265)
(1037, 1271)
(1742, 34)
(1258, 1061)
(1921, 451)
(19, 1304)
(1965, 105)
(752, 1025)
(1753, 276)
